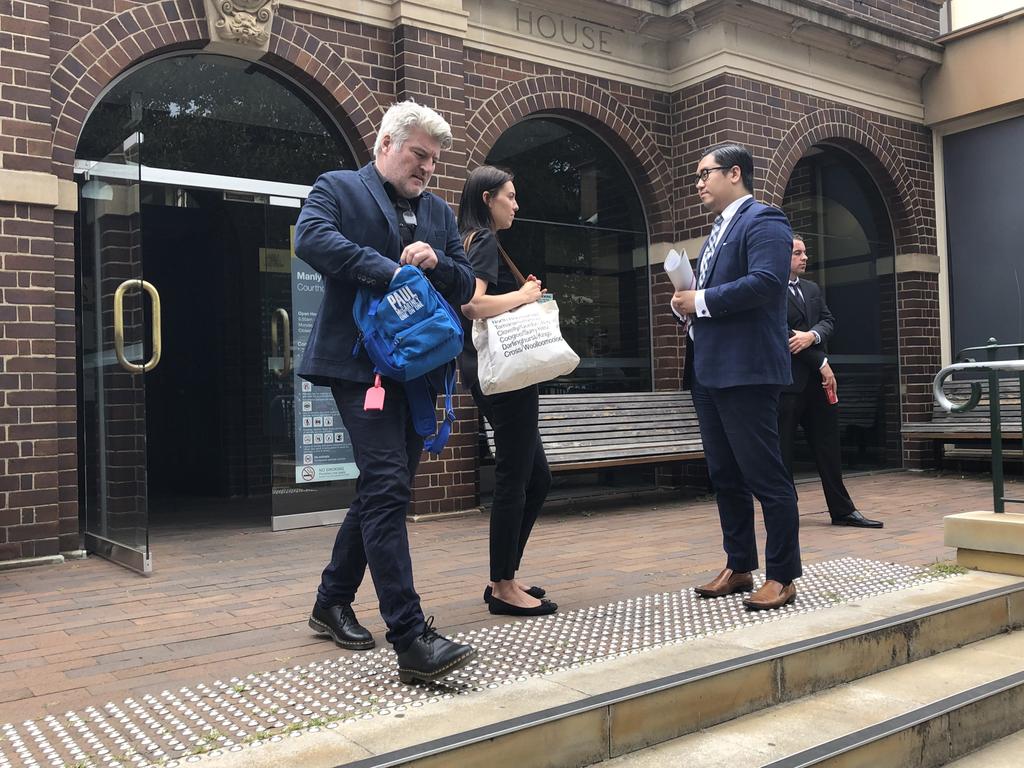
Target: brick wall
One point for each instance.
(915, 17)
(56, 58)
(31, 409)
(918, 311)
(429, 69)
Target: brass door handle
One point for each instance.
(286, 340)
(119, 327)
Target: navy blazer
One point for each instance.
(745, 341)
(813, 315)
(348, 232)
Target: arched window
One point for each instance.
(218, 115)
(192, 169)
(580, 227)
(834, 203)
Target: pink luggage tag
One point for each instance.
(374, 396)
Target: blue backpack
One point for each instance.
(409, 333)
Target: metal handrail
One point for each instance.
(994, 370)
(996, 366)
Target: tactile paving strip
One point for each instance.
(174, 728)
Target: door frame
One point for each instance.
(278, 194)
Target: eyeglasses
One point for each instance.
(703, 175)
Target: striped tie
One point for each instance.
(709, 252)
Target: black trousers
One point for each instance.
(373, 533)
(521, 475)
(739, 429)
(811, 410)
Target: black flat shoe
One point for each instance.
(856, 520)
(537, 592)
(501, 608)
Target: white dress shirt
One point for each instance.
(727, 214)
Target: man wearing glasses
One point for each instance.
(740, 363)
(356, 229)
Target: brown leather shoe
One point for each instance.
(772, 595)
(726, 583)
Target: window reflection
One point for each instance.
(218, 115)
(580, 227)
(834, 203)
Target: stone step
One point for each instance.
(603, 709)
(922, 714)
(1004, 753)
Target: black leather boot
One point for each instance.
(339, 622)
(431, 657)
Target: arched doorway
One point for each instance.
(192, 169)
(581, 226)
(834, 203)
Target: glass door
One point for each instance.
(120, 342)
(312, 465)
(229, 444)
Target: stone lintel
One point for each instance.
(28, 187)
(658, 252)
(917, 262)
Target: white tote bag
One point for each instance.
(521, 347)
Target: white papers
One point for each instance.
(679, 271)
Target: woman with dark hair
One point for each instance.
(521, 474)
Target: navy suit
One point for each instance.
(348, 232)
(740, 363)
(804, 401)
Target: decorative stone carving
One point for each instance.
(241, 22)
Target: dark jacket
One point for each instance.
(744, 341)
(348, 232)
(813, 316)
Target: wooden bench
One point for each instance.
(861, 412)
(601, 430)
(968, 435)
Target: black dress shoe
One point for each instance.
(339, 622)
(500, 608)
(857, 520)
(537, 592)
(431, 656)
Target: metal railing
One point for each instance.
(994, 370)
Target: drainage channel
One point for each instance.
(174, 728)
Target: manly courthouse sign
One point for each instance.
(549, 26)
(531, 31)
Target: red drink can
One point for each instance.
(831, 396)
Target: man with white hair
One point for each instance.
(356, 229)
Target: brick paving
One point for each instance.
(227, 601)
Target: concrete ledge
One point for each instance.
(28, 562)
(994, 562)
(986, 532)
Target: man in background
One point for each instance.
(811, 400)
